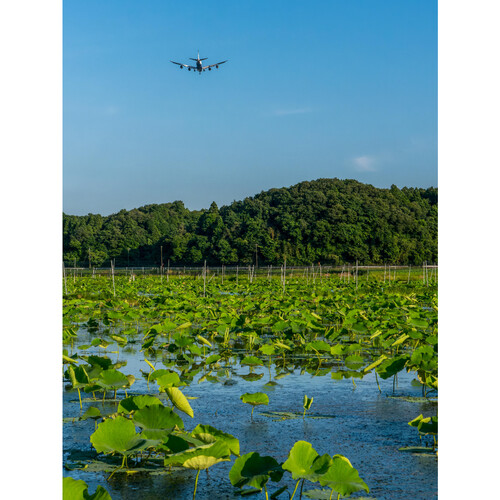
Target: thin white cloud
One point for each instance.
(364, 164)
(296, 111)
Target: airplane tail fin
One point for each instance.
(198, 58)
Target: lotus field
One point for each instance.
(182, 387)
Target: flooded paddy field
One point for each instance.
(365, 391)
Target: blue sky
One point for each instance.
(317, 89)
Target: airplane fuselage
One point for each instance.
(199, 66)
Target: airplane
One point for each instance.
(199, 67)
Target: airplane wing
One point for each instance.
(183, 65)
(216, 64)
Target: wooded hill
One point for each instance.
(331, 221)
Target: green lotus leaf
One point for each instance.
(179, 400)
(267, 349)
(91, 412)
(304, 462)
(252, 361)
(195, 349)
(254, 471)
(118, 435)
(175, 444)
(112, 379)
(342, 477)
(432, 339)
(100, 494)
(318, 494)
(428, 425)
(418, 323)
(119, 339)
(416, 421)
(67, 359)
(318, 345)
(208, 434)
(354, 361)
(391, 366)
(212, 359)
(203, 340)
(359, 328)
(169, 379)
(400, 340)
(307, 402)
(102, 362)
(134, 403)
(78, 376)
(252, 377)
(158, 373)
(157, 422)
(201, 457)
(254, 399)
(73, 489)
(279, 344)
(337, 350)
(375, 363)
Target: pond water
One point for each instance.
(363, 424)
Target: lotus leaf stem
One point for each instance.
(296, 486)
(119, 467)
(196, 484)
(79, 397)
(265, 491)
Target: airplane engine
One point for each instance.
(217, 66)
(209, 69)
(189, 69)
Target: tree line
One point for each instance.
(330, 221)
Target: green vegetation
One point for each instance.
(187, 330)
(330, 221)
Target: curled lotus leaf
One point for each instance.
(78, 376)
(203, 340)
(201, 457)
(179, 400)
(307, 402)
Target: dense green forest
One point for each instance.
(331, 221)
